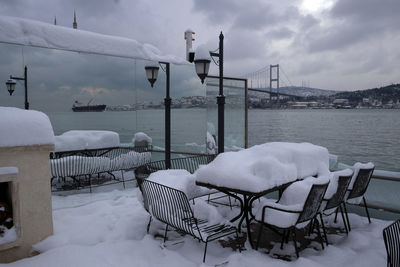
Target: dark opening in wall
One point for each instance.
(6, 209)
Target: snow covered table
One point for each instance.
(261, 169)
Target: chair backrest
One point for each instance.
(361, 183)
(391, 236)
(337, 198)
(168, 205)
(313, 201)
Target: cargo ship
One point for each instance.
(79, 107)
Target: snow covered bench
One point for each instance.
(75, 164)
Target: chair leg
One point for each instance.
(366, 209)
(205, 252)
(259, 235)
(347, 216)
(295, 241)
(344, 220)
(283, 238)
(323, 228)
(319, 234)
(165, 234)
(337, 210)
(230, 203)
(148, 225)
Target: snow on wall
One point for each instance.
(265, 166)
(34, 33)
(86, 139)
(8, 170)
(19, 127)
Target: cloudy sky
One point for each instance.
(329, 44)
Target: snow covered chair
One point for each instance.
(297, 208)
(333, 199)
(171, 206)
(358, 186)
(391, 236)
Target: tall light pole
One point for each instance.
(151, 73)
(202, 65)
(11, 85)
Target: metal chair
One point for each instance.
(306, 215)
(172, 207)
(391, 236)
(335, 202)
(358, 189)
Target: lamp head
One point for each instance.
(10, 86)
(152, 73)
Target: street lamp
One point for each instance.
(151, 73)
(202, 65)
(12, 82)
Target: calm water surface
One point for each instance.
(353, 135)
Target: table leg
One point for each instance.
(241, 206)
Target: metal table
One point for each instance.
(245, 201)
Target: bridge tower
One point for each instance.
(271, 80)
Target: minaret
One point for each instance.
(75, 25)
(55, 20)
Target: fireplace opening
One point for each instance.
(6, 210)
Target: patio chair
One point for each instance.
(391, 236)
(329, 206)
(289, 217)
(357, 188)
(172, 207)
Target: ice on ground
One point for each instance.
(265, 166)
(109, 229)
(20, 127)
(34, 33)
(181, 180)
(86, 139)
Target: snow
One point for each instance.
(202, 53)
(20, 127)
(34, 33)
(181, 180)
(141, 137)
(8, 170)
(211, 146)
(109, 229)
(265, 166)
(8, 235)
(86, 139)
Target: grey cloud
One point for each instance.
(279, 34)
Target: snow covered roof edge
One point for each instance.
(39, 34)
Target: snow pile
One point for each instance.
(109, 229)
(142, 139)
(211, 146)
(83, 139)
(34, 33)
(181, 180)
(7, 235)
(19, 127)
(265, 166)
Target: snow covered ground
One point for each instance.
(109, 229)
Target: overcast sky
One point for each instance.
(329, 44)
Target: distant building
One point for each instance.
(75, 24)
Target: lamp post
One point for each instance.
(151, 73)
(11, 85)
(202, 65)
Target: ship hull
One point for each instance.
(92, 108)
